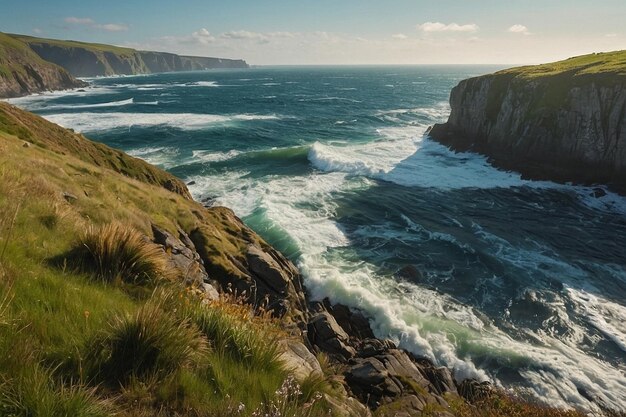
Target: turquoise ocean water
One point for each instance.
(522, 282)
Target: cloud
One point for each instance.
(37, 31)
(399, 36)
(452, 27)
(90, 23)
(79, 20)
(519, 29)
(243, 34)
(202, 36)
(611, 35)
(112, 27)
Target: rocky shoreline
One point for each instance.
(375, 373)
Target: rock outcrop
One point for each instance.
(564, 121)
(22, 72)
(244, 265)
(83, 59)
(376, 371)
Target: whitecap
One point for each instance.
(205, 84)
(88, 122)
(208, 156)
(89, 106)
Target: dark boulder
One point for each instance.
(325, 333)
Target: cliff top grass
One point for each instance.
(95, 47)
(605, 63)
(62, 141)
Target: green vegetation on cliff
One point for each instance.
(609, 63)
(94, 47)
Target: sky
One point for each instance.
(325, 32)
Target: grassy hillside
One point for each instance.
(605, 63)
(128, 338)
(49, 136)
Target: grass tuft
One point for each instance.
(149, 344)
(35, 393)
(115, 252)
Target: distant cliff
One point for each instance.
(83, 59)
(564, 121)
(22, 72)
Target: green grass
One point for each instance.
(551, 83)
(34, 392)
(95, 47)
(151, 343)
(613, 63)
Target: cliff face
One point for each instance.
(564, 121)
(83, 62)
(23, 72)
(91, 60)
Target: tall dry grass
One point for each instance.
(116, 252)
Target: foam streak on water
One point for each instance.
(89, 122)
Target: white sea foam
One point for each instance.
(88, 122)
(34, 101)
(162, 156)
(206, 156)
(405, 157)
(206, 84)
(606, 316)
(433, 114)
(374, 159)
(89, 106)
(329, 99)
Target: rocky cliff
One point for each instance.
(564, 121)
(83, 59)
(23, 72)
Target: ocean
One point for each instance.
(519, 282)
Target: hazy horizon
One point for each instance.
(353, 32)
